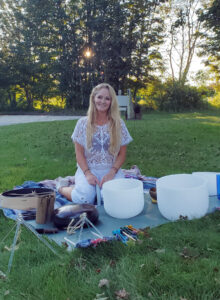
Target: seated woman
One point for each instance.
(100, 145)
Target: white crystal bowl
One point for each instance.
(211, 179)
(182, 195)
(123, 198)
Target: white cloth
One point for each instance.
(83, 192)
(98, 156)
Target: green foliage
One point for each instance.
(173, 96)
(43, 47)
(211, 45)
(215, 101)
(206, 91)
(3, 99)
(211, 21)
(176, 97)
(146, 96)
(145, 57)
(31, 43)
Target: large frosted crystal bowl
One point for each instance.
(211, 179)
(182, 195)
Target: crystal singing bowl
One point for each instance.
(123, 198)
(182, 195)
(211, 181)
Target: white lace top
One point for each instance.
(98, 156)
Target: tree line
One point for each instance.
(61, 49)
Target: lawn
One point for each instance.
(179, 260)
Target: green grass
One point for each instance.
(179, 260)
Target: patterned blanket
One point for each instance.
(133, 172)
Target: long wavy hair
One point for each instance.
(113, 117)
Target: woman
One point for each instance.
(100, 142)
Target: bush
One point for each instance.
(3, 99)
(176, 97)
(215, 101)
(206, 91)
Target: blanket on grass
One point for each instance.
(133, 172)
(149, 217)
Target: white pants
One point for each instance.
(83, 192)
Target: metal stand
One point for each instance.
(20, 221)
(80, 225)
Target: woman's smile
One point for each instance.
(102, 100)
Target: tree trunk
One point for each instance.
(28, 98)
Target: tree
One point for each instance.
(210, 18)
(30, 30)
(145, 30)
(111, 45)
(124, 38)
(45, 41)
(183, 36)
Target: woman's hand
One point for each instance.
(91, 178)
(118, 162)
(109, 176)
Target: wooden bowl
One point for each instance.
(153, 194)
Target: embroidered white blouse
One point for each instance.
(98, 156)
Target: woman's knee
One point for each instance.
(66, 192)
(83, 194)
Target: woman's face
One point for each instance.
(102, 100)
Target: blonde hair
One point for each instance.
(113, 117)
